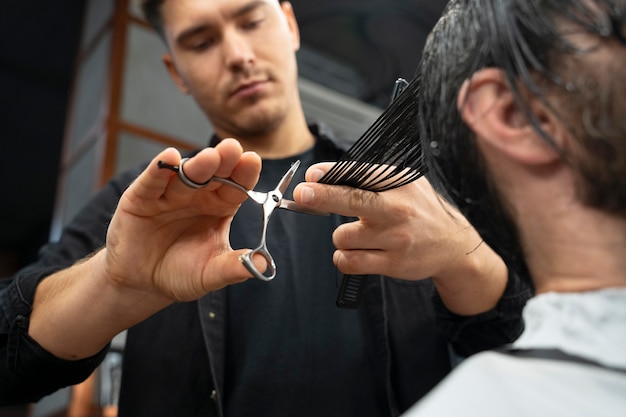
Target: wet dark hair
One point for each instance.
(526, 40)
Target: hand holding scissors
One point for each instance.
(269, 201)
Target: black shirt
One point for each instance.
(289, 350)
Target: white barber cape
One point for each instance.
(589, 325)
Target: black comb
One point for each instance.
(388, 155)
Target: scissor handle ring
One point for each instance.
(188, 181)
(246, 259)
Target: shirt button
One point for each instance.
(214, 395)
(212, 315)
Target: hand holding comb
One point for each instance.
(388, 155)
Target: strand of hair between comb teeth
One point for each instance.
(377, 162)
(389, 154)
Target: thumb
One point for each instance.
(316, 171)
(259, 263)
(227, 269)
(340, 199)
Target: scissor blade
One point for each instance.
(286, 179)
(293, 206)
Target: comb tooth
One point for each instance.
(350, 291)
(390, 141)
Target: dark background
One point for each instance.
(376, 41)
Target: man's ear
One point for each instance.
(487, 105)
(173, 72)
(292, 22)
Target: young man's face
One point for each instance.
(236, 58)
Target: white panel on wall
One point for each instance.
(90, 94)
(134, 9)
(151, 99)
(133, 150)
(348, 117)
(97, 15)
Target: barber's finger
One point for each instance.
(343, 200)
(230, 151)
(360, 262)
(241, 167)
(196, 172)
(158, 187)
(152, 183)
(246, 174)
(219, 161)
(247, 171)
(358, 235)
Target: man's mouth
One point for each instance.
(248, 89)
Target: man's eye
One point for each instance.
(203, 44)
(252, 24)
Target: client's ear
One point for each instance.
(488, 107)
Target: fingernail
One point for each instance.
(315, 175)
(306, 194)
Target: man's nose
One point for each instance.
(238, 52)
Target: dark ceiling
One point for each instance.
(372, 41)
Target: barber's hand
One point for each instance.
(172, 240)
(166, 242)
(410, 233)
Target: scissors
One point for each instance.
(269, 201)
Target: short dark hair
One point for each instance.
(525, 39)
(152, 13)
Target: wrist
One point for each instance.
(77, 311)
(473, 283)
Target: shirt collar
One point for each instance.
(588, 324)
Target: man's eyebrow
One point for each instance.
(246, 8)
